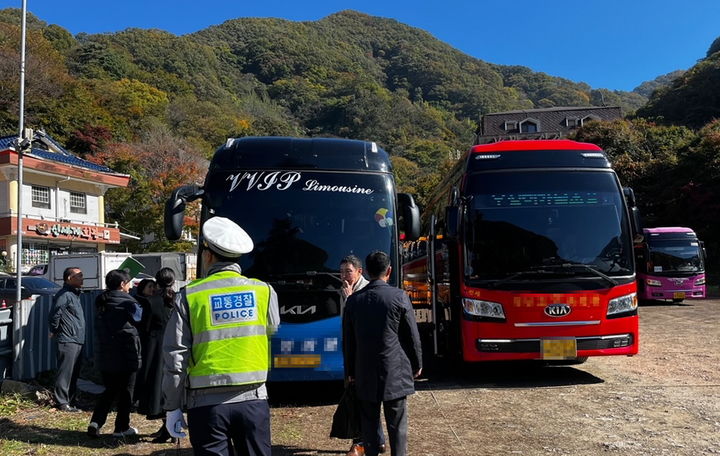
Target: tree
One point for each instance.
(157, 164)
(407, 174)
(714, 47)
(646, 157)
(698, 201)
(693, 99)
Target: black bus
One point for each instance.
(306, 203)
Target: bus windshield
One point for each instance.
(525, 223)
(305, 221)
(675, 255)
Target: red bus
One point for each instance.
(527, 254)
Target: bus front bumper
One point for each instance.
(694, 293)
(534, 346)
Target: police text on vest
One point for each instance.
(234, 308)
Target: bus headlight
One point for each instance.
(700, 281)
(484, 309)
(627, 303)
(653, 283)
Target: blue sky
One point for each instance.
(615, 44)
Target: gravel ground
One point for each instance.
(664, 401)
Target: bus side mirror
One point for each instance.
(629, 196)
(704, 252)
(637, 230)
(452, 224)
(635, 222)
(411, 216)
(175, 209)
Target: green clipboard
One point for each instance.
(132, 266)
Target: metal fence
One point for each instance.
(6, 349)
(38, 352)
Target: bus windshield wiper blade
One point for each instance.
(513, 277)
(602, 275)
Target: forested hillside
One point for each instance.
(692, 99)
(123, 97)
(347, 75)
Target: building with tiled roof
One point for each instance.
(62, 202)
(546, 123)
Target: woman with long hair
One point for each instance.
(159, 310)
(142, 293)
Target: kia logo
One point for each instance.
(298, 310)
(557, 310)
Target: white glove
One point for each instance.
(175, 423)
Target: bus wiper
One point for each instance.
(537, 270)
(602, 275)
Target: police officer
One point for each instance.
(216, 351)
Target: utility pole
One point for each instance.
(23, 143)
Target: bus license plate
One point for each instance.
(559, 349)
(296, 361)
(679, 295)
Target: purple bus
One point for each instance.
(670, 265)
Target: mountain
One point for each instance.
(127, 98)
(348, 74)
(692, 99)
(647, 88)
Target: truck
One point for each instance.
(93, 265)
(183, 264)
(527, 254)
(96, 265)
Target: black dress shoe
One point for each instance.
(67, 408)
(381, 448)
(163, 436)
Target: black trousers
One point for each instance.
(380, 433)
(68, 370)
(216, 429)
(118, 385)
(396, 419)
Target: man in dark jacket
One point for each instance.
(382, 352)
(117, 352)
(67, 327)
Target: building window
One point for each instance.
(34, 253)
(589, 118)
(529, 126)
(510, 125)
(572, 122)
(78, 203)
(40, 197)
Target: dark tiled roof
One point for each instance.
(555, 109)
(551, 120)
(63, 156)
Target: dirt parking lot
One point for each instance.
(664, 401)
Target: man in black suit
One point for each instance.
(382, 352)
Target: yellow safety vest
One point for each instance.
(228, 320)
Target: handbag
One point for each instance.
(346, 419)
